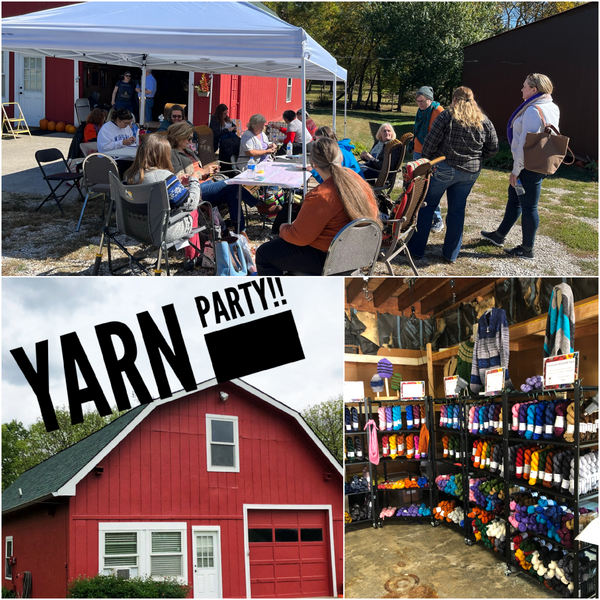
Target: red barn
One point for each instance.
(48, 87)
(225, 488)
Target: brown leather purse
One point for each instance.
(545, 151)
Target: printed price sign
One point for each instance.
(450, 386)
(412, 390)
(560, 372)
(354, 391)
(494, 381)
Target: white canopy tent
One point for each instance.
(237, 38)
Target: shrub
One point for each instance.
(6, 593)
(358, 148)
(111, 586)
(503, 160)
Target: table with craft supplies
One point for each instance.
(280, 174)
(125, 153)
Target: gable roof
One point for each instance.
(60, 474)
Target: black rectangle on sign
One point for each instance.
(255, 346)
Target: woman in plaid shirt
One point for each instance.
(465, 137)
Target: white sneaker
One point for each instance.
(438, 226)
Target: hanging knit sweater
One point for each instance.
(560, 325)
(464, 360)
(491, 348)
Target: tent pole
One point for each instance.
(143, 99)
(334, 103)
(76, 88)
(210, 97)
(190, 105)
(345, 103)
(303, 74)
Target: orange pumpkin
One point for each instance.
(60, 126)
(51, 126)
(44, 124)
(70, 129)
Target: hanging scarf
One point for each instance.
(373, 443)
(422, 122)
(522, 109)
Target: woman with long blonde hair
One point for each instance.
(342, 197)
(466, 137)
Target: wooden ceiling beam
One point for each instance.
(420, 291)
(466, 290)
(387, 288)
(353, 289)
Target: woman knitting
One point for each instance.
(536, 111)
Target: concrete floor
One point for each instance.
(411, 560)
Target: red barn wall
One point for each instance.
(40, 542)
(159, 473)
(59, 90)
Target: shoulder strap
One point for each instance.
(541, 115)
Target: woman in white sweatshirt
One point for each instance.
(537, 90)
(116, 133)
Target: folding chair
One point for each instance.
(143, 213)
(50, 155)
(393, 157)
(402, 225)
(96, 182)
(206, 150)
(82, 109)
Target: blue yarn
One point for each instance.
(397, 417)
(538, 420)
(549, 418)
(530, 421)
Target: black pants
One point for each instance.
(277, 256)
(296, 149)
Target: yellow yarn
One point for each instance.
(535, 459)
(393, 446)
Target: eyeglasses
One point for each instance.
(173, 117)
(191, 138)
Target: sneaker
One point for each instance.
(519, 252)
(438, 226)
(492, 236)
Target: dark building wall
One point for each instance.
(563, 47)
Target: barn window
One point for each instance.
(222, 443)
(143, 549)
(288, 93)
(8, 547)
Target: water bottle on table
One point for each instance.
(289, 149)
(251, 169)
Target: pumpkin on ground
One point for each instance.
(60, 126)
(51, 126)
(44, 124)
(70, 129)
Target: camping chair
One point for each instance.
(402, 225)
(82, 109)
(96, 169)
(393, 157)
(50, 155)
(354, 250)
(142, 213)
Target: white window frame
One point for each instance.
(144, 544)
(288, 90)
(7, 539)
(236, 444)
(6, 75)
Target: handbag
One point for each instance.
(230, 257)
(545, 151)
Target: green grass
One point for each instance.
(574, 234)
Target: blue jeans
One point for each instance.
(457, 185)
(437, 213)
(148, 109)
(218, 192)
(525, 206)
(277, 256)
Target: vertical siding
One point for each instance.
(59, 89)
(40, 542)
(159, 473)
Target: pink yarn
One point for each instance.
(382, 419)
(371, 428)
(515, 414)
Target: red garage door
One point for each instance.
(289, 553)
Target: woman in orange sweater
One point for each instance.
(342, 197)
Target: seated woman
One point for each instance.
(348, 159)
(94, 122)
(295, 132)
(226, 139)
(310, 124)
(374, 158)
(152, 164)
(186, 161)
(176, 115)
(341, 198)
(254, 143)
(116, 133)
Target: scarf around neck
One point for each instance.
(422, 121)
(522, 108)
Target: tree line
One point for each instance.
(390, 49)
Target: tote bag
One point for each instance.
(544, 152)
(230, 258)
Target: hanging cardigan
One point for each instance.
(491, 348)
(560, 324)
(464, 360)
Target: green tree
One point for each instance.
(24, 448)
(516, 14)
(326, 419)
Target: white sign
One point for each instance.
(560, 372)
(494, 381)
(354, 391)
(450, 386)
(412, 390)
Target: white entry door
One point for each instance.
(207, 564)
(29, 83)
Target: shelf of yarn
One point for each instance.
(412, 511)
(486, 456)
(488, 494)
(448, 511)
(451, 485)
(357, 485)
(408, 483)
(489, 529)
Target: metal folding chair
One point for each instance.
(48, 156)
(82, 108)
(96, 182)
